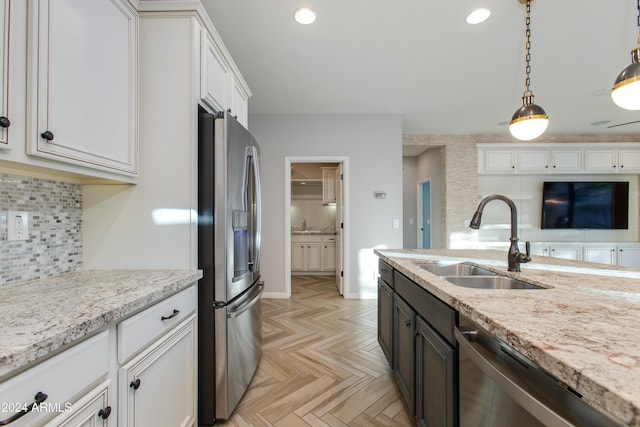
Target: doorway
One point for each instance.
(424, 214)
(314, 212)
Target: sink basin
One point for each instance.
(490, 282)
(444, 269)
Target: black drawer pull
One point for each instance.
(171, 316)
(135, 384)
(39, 398)
(104, 413)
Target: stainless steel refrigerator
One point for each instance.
(229, 309)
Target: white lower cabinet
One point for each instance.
(87, 385)
(557, 250)
(313, 253)
(157, 387)
(92, 410)
(50, 387)
(625, 255)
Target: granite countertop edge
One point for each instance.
(572, 286)
(43, 317)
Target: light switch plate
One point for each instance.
(17, 225)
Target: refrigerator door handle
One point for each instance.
(249, 303)
(252, 158)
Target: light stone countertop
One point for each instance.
(41, 318)
(584, 329)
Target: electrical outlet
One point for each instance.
(17, 225)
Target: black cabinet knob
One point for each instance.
(407, 323)
(47, 135)
(4, 122)
(135, 384)
(104, 413)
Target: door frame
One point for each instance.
(288, 160)
(420, 203)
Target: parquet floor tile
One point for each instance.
(321, 364)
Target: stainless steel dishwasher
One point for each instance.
(499, 387)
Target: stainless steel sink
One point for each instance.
(459, 269)
(490, 282)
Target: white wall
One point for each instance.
(410, 209)
(373, 146)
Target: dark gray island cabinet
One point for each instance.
(416, 334)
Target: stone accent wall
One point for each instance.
(55, 228)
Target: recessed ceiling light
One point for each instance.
(304, 15)
(478, 16)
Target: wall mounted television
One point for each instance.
(585, 205)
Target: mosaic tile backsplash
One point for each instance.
(55, 228)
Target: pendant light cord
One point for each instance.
(527, 80)
(639, 23)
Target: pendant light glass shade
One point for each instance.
(626, 90)
(528, 122)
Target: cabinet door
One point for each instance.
(329, 257)
(83, 89)
(533, 161)
(540, 249)
(328, 186)
(435, 384)
(157, 388)
(298, 255)
(499, 161)
(92, 410)
(404, 350)
(566, 160)
(629, 255)
(239, 102)
(573, 252)
(4, 74)
(604, 254)
(314, 256)
(629, 160)
(385, 319)
(601, 160)
(213, 74)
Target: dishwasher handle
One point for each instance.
(516, 391)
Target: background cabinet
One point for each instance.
(612, 160)
(82, 93)
(329, 185)
(313, 253)
(385, 318)
(213, 74)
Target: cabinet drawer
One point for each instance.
(306, 238)
(438, 314)
(386, 272)
(61, 378)
(138, 331)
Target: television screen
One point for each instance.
(585, 205)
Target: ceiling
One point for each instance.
(419, 59)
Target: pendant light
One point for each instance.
(626, 90)
(530, 121)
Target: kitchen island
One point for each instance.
(583, 328)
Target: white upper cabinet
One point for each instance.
(213, 74)
(239, 102)
(82, 87)
(5, 120)
(560, 158)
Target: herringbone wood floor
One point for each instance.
(321, 364)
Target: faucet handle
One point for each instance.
(527, 248)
